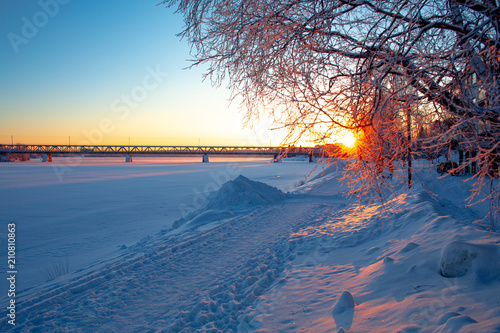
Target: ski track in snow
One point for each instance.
(168, 283)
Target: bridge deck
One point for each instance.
(155, 150)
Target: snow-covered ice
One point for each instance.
(191, 247)
(88, 209)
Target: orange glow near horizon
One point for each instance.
(322, 134)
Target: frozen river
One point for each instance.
(85, 210)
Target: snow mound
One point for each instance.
(243, 193)
(458, 258)
(343, 311)
(444, 318)
(345, 302)
(235, 195)
(410, 246)
(456, 323)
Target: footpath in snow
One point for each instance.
(255, 259)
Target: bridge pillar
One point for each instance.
(310, 158)
(276, 159)
(205, 159)
(47, 158)
(128, 158)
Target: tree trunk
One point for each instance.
(408, 130)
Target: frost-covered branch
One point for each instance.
(410, 77)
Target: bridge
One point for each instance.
(48, 150)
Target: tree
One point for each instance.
(381, 68)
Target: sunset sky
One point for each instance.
(104, 71)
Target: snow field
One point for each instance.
(254, 260)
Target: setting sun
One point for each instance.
(348, 139)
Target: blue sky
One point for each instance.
(103, 71)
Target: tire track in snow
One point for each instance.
(202, 281)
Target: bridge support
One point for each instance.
(277, 159)
(310, 158)
(47, 158)
(205, 159)
(128, 158)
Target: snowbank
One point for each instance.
(418, 264)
